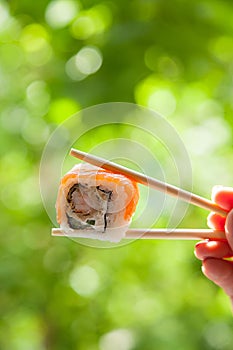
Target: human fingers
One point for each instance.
(229, 228)
(214, 249)
(216, 221)
(223, 196)
(220, 272)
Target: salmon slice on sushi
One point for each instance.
(96, 203)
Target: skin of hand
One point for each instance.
(215, 255)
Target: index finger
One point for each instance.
(223, 196)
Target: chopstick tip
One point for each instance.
(77, 153)
(73, 151)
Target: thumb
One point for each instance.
(229, 228)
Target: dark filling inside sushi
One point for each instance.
(87, 207)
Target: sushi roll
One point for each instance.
(96, 203)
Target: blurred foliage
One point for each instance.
(57, 57)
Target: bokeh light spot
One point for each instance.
(4, 14)
(72, 70)
(33, 37)
(83, 28)
(92, 21)
(63, 108)
(59, 13)
(154, 88)
(101, 16)
(35, 41)
(222, 48)
(117, 339)
(84, 280)
(35, 131)
(13, 118)
(10, 28)
(168, 67)
(38, 96)
(24, 330)
(206, 137)
(209, 108)
(89, 60)
(163, 101)
(151, 57)
(29, 192)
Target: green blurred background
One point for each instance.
(57, 57)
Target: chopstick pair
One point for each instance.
(160, 186)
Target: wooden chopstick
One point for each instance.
(150, 181)
(181, 234)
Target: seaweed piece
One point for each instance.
(76, 224)
(71, 191)
(90, 222)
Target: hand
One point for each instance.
(213, 254)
